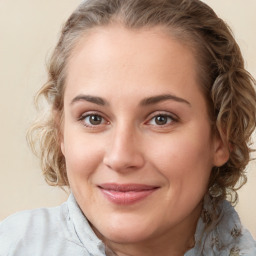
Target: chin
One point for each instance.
(128, 232)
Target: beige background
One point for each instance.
(28, 32)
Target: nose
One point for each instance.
(124, 152)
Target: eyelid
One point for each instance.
(163, 113)
(153, 115)
(91, 113)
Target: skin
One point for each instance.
(124, 69)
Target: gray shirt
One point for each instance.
(64, 231)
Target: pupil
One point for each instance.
(161, 120)
(95, 120)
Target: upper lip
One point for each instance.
(126, 187)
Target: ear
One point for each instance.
(221, 151)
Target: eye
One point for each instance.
(161, 120)
(93, 120)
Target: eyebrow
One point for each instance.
(147, 101)
(93, 99)
(163, 97)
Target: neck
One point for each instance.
(165, 248)
(174, 242)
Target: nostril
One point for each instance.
(124, 162)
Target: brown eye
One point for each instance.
(161, 120)
(92, 120)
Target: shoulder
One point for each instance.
(233, 232)
(32, 229)
(221, 233)
(231, 236)
(44, 232)
(31, 220)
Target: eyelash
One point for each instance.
(170, 120)
(90, 115)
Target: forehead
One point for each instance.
(115, 44)
(113, 58)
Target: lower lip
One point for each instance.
(126, 198)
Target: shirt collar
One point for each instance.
(83, 229)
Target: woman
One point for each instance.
(150, 124)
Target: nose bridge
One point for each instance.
(123, 151)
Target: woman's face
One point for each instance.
(136, 134)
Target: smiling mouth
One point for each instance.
(126, 194)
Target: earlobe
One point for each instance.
(221, 152)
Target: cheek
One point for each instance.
(82, 155)
(185, 159)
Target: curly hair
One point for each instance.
(226, 85)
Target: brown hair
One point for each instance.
(227, 86)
